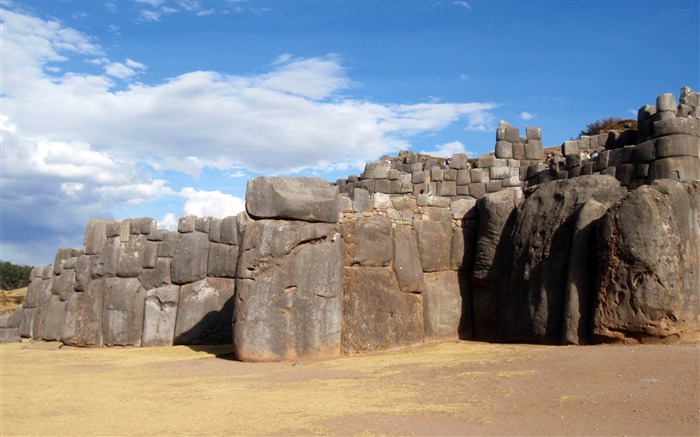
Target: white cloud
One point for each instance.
(169, 222)
(446, 150)
(463, 4)
(211, 203)
(527, 116)
(75, 147)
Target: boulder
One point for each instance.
(377, 314)
(205, 312)
(535, 265)
(222, 260)
(52, 323)
(284, 311)
(649, 256)
(300, 198)
(131, 256)
(160, 315)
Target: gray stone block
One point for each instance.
(682, 168)
(570, 148)
(131, 257)
(160, 315)
(157, 277)
(436, 174)
(82, 324)
(229, 230)
(476, 190)
(407, 265)
(573, 160)
(382, 186)
(666, 102)
(215, 230)
(368, 241)
(202, 224)
(533, 150)
(377, 170)
(189, 263)
(644, 152)
(205, 312)
(95, 236)
(376, 314)
(463, 208)
(419, 177)
(122, 312)
(463, 190)
(493, 186)
(449, 175)
(504, 149)
(677, 126)
(442, 305)
(282, 312)
(187, 224)
(485, 161)
(167, 247)
(678, 145)
(447, 188)
(624, 173)
(497, 173)
(433, 237)
(533, 133)
(222, 260)
(300, 198)
(459, 161)
(463, 177)
(53, 319)
(519, 151)
(150, 255)
(83, 272)
(513, 134)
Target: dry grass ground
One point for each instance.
(458, 388)
(9, 300)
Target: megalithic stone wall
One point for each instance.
(493, 248)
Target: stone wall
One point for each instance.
(494, 248)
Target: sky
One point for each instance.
(164, 108)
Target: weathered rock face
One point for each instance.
(160, 316)
(205, 311)
(377, 314)
(540, 242)
(309, 199)
(649, 264)
(288, 302)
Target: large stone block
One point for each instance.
(533, 150)
(160, 315)
(459, 161)
(302, 198)
(205, 312)
(377, 170)
(122, 312)
(407, 265)
(95, 236)
(433, 239)
(678, 145)
(131, 257)
(105, 263)
(677, 126)
(222, 260)
(53, 319)
(229, 230)
(189, 264)
(157, 277)
(504, 149)
(284, 310)
(368, 241)
(376, 314)
(681, 168)
(64, 284)
(442, 305)
(648, 264)
(82, 325)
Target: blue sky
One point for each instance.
(163, 108)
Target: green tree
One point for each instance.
(13, 276)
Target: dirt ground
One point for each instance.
(456, 388)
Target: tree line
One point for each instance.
(13, 276)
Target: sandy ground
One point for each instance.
(456, 388)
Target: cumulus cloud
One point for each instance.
(446, 150)
(211, 203)
(462, 4)
(527, 116)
